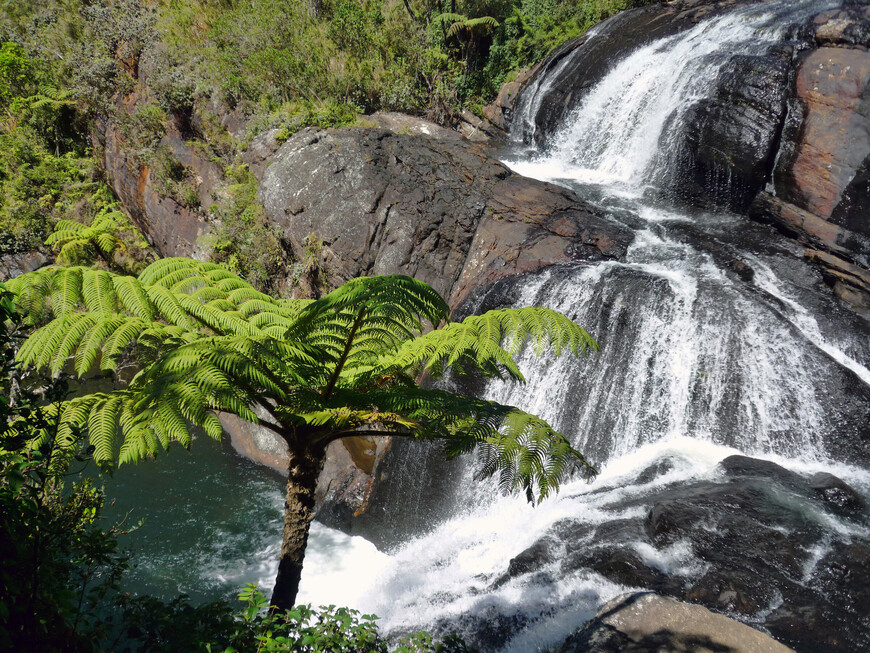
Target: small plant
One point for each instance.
(243, 241)
(328, 629)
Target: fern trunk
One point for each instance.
(305, 467)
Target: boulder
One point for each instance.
(439, 209)
(646, 622)
(832, 146)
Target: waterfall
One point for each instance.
(625, 127)
(716, 340)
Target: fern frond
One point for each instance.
(170, 308)
(103, 425)
(66, 290)
(99, 291)
(134, 297)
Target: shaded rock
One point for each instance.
(647, 622)
(726, 150)
(12, 265)
(346, 482)
(499, 111)
(476, 129)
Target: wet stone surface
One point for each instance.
(755, 544)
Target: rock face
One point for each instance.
(750, 544)
(729, 142)
(171, 228)
(648, 623)
(12, 265)
(821, 184)
(437, 209)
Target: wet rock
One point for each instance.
(746, 467)
(754, 543)
(669, 520)
(541, 553)
(646, 622)
(839, 495)
(810, 229)
(848, 25)
(726, 150)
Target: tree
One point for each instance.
(348, 364)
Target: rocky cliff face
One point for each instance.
(171, 228)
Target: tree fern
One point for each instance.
(313, 372)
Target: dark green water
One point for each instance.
(212, 522)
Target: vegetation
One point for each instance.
(66, 66)
(311, 371)
(61, 570)
(203, 337)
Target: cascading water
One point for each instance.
(716, 340)
(710, 348)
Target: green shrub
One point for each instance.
(242, 239)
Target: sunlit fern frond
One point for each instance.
(477, 342)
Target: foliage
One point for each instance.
(294, 117)
(243, 241)
(327, 629)
(110, 238)
(58, 565)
